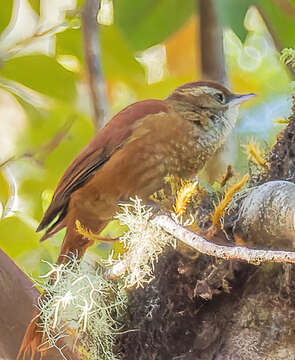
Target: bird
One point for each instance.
(132, 155)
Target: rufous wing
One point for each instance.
(92, 157)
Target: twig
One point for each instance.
(40, 153)
(92, 57)
(224, 252)
(227, 176)
(211, 42)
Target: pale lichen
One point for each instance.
(79, 301)
(143, 242)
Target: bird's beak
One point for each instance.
(238, 99)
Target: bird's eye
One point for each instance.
(220, 97)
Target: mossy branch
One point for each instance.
(204, 246)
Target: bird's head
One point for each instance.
(208, 104)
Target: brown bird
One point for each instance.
(132, 155)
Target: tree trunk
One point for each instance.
(204, 308)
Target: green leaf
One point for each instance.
(33, 260)
(118, 61)
(80, 3)
(292, 2)
(70, 42)
(145, 23)
(4, 190)
(16, 236)
(231, 13)
(42, 129)
(35, 4)
(43, 74)
(5, 14)
(117, 58)
(282, 22)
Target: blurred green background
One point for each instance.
(148, 48)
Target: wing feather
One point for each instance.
(94, 156)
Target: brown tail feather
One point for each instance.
(32, 340)
(73, 243)
(50, 233)
(34, 345)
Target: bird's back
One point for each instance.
(92, 157)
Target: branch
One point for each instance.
(92, 57)
(224, 252)
(40, 153)
(211, 38)
(266, 216)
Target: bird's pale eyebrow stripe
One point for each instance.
(195, 91)
(209, 90)
(201, 90)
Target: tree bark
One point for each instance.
(93, 63)
(202, 308)
(17, 299)
(211, 44)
